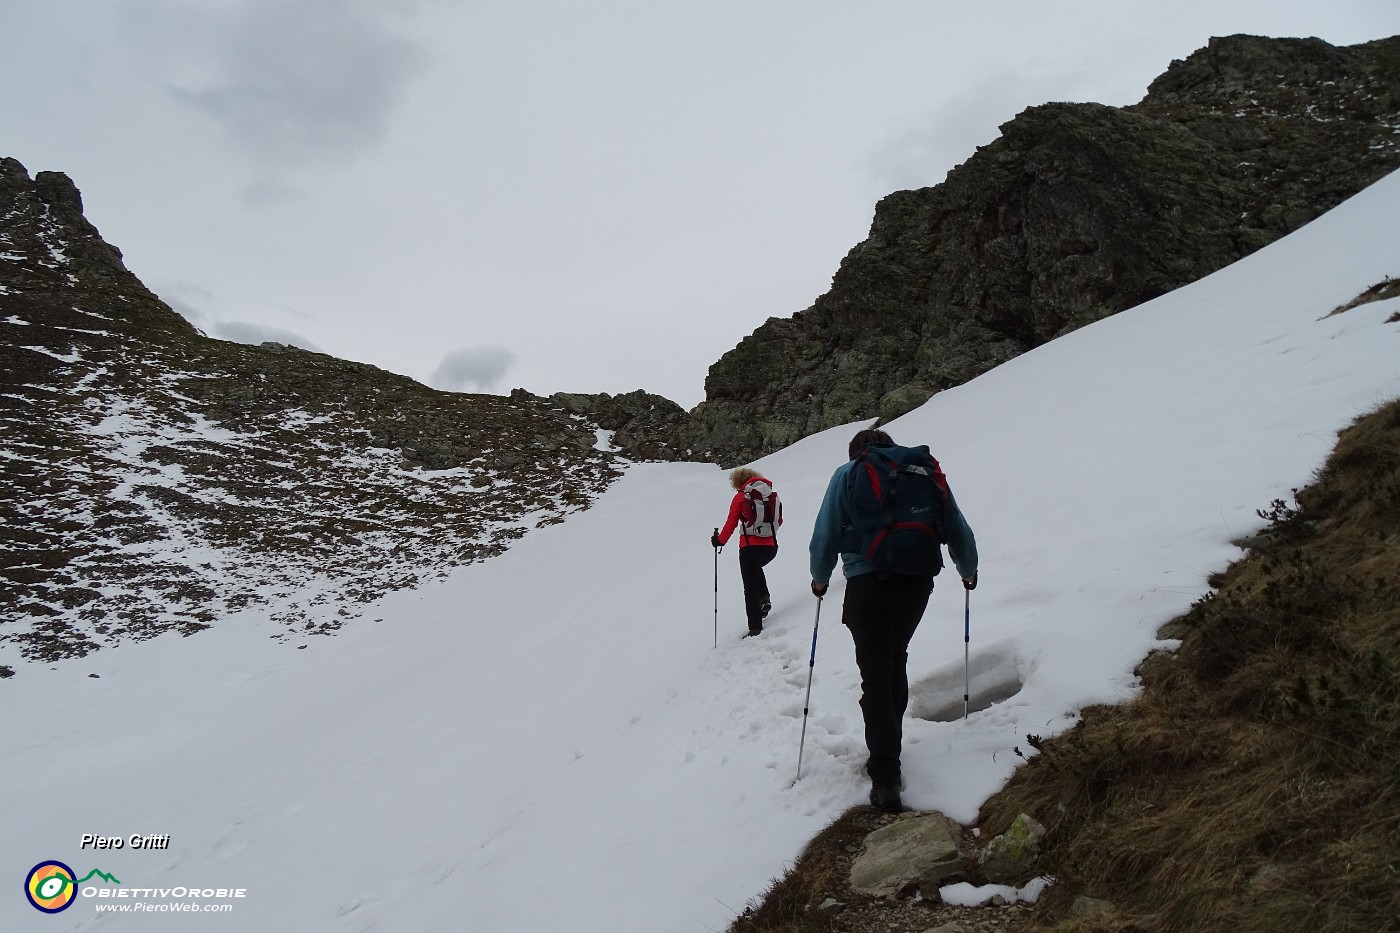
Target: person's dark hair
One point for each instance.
(870, 437)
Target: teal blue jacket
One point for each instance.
(833, 519)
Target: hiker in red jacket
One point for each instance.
(757, 513)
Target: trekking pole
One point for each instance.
(716, 593)
(967, 639)
(811, 666)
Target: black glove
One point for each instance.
(818, 589)
(714, 541)
(970, 584)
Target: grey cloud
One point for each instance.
(243, 332)
(921, 156)
(187, 310)
(472, 368)
(269, 188)
(186, 299)
(298, 83)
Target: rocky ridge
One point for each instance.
(1076, 212)
(155, 479)
(643, 425)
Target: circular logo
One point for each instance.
(50, 887)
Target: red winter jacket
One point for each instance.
(736, 507)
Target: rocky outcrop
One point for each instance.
(1076, 212)
(640, 425)
(152, 479)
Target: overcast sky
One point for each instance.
(590, 196)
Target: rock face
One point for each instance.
(1076, 212)
(152, 479)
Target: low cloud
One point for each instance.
(193, 302)
(243, 332)
(188, 300)
(472, 369)
(186, 309)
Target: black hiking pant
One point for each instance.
(882, 615)
(752, 560)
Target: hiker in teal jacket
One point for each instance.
(881, 611)
(832, 520)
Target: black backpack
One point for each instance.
(897, 498)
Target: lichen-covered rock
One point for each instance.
(1010, 858)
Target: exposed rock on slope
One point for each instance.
(154, 479)
(1076, 212)
(639, 424)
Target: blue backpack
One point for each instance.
(897, 498)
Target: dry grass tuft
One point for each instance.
(787, 906)
(1387, 288)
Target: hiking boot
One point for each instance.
(754, 631)
(885, 798)
(766, 608)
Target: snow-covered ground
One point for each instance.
(549, 740)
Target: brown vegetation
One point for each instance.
(1255, 784)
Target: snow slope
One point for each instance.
(548, 740)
